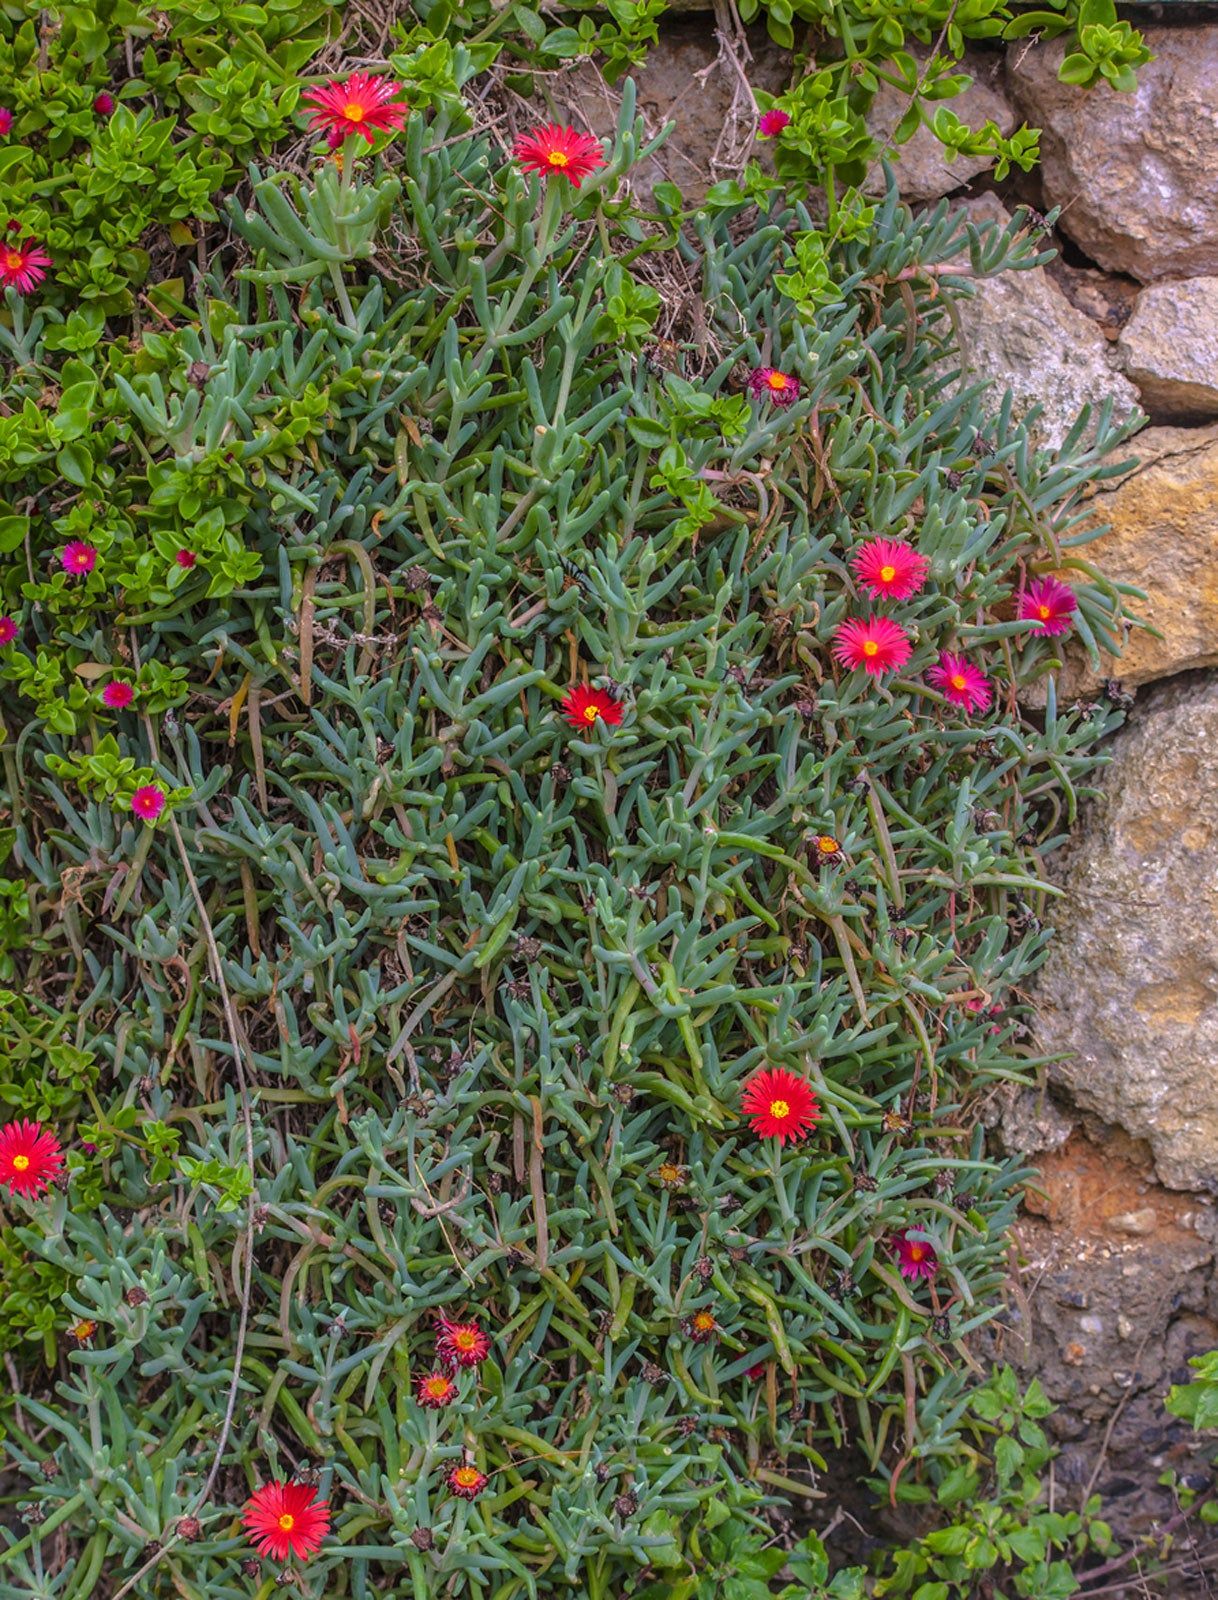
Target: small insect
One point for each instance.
(573, 578)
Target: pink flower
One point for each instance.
(361, 105)
(963, 684)
(148, 802)
(23, 266)
(118, 696)
(78, 557)
(186, 559)
(889, 569)
(876, 644)
(103, 103)
(8, 631)
(771, 384)
(1049, 605)
(915, 1258)
(6, 122)
(771, 123)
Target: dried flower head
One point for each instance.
(701, 1327)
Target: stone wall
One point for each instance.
(1119, 1282)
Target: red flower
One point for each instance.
(118, 696)
(1049, 605)
(876, 644)
(584, 707)
(363, 104)
(30, 1157)
(964, 684)
(434, 1389)
(6, 122)
(757, 1370)
(285, 1520)
(889, 569)
(78, 557)
(461, 1344)
(22, 266)
(780, 387)
(559, 152)
(467, 1482)
(103, 103)
(780, 1104)
(186, 559)
(148, 802)
(915, 1258)
(8, 631)
(771, 123)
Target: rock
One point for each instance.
(1164, 518)
(1129, 994)
(1020, 329)
(923, 171)
(1169, 348)
(1107, 299)
(1138, 1223)
(684, 80)
(1136, 174)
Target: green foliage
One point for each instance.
(1197, 1402)
(417, 990)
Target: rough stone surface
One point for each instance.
(1103, 296)
(1119, 1291)
(922, 169)
(684, 80)
(1020, 329)
(1164, 533)
(1137, 174)
(1130, 991)
(1169, 347)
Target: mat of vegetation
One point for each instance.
(522, 847)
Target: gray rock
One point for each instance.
(1136, 174)
(923, 171)
(1169, 348)
(1020, 329)
(1130, 991)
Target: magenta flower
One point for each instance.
(118, 696)
(186, 559)
(8, 631)
(103, 103)
(771, 384)
(963, 684)
(1049, 605)
(77, 557)
(771, 123)
(6, 122)
(148, 802)
(915, 1258)
(877, 644)
(23, 266)
(889, 569)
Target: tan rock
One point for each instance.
(1136, 174)
(1164, 533)
(923, 171)
(1169, 348)
(1129, 994)
(1019, 329)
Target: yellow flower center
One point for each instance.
(827, 845)
(1043, 613)
(468, 1477)
(959, 681)
(888, 574)
(465, 1340)
(354, 112)
(287, 1522)
(704, 1322)
(14, 260)
(777, 380)
(84, 1330)
(917, 1251)
(21, 1162)
(437, 1388)
(669, 1173)
(591, 713)
(779, 1109)
(558, 158)
(870, 648)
